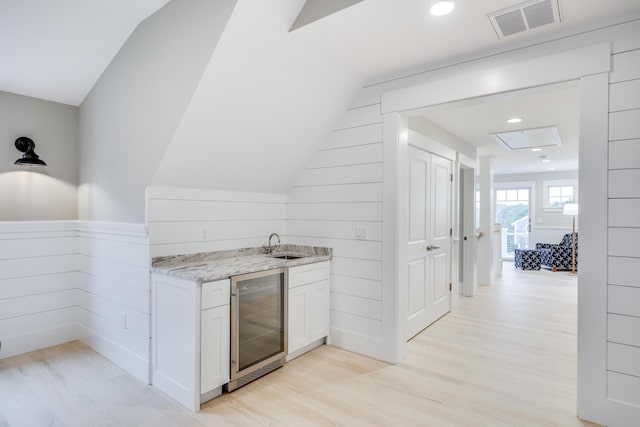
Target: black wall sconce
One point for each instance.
(29, 158)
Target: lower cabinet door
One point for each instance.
(298, 323)
(214, 348)
(318, 308)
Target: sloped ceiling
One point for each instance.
(269, 97)
(265, 101)
(56, 50)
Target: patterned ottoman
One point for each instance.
(527, 259)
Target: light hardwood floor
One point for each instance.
(505, 358)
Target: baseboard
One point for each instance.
(307, 348)
(19, 344)
(368, 346)
(621, 414)
(125, 359)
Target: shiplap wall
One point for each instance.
(183, 221)
(623, 329)
(341, 189)
(114, 293)
(38, 290)
(62, 281)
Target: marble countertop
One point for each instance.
(210, 266)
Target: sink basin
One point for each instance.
(287, 256)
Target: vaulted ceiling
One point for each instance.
(268, 96)
(56, 50)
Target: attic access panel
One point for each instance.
(527, 139)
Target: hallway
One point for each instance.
(506, 357)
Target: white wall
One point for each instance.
(31, 194)
(38, 289)
(623, 290)
(128, 119)
(341, 189)
(114, 293)
(68, 280)
(183, 220)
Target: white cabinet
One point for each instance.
(308, 323)
(214, 337)
(190, 338)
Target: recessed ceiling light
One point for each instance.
(514, 120)
(536, 149)
(546, 160)
(442, 8)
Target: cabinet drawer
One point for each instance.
(215, 294)
(309, 273)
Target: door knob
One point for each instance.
(435, 247)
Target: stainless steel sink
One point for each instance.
(287, 256)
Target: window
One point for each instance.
(560, 194)
(557, 193)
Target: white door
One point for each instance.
(429, 239)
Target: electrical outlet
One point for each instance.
(361, 232)
(123, 319)
(203, 234)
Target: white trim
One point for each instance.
(13, 227)
(592, 277)
(466, 161)
(425, 143)
(470, 279)
(176, 193)
(394, 316)
(543, 70)
(113, 228)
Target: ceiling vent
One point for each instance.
(527, 139)
(525, 16)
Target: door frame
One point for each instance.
(465, 223)
(589, 64)
(506, 185)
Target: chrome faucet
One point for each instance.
(270, 248)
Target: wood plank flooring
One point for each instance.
(504, 358)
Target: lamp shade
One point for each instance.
(29, 158)
(570, 209)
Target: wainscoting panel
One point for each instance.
(183, 220)
(339, 192)
(114, 286)
(38, 291)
